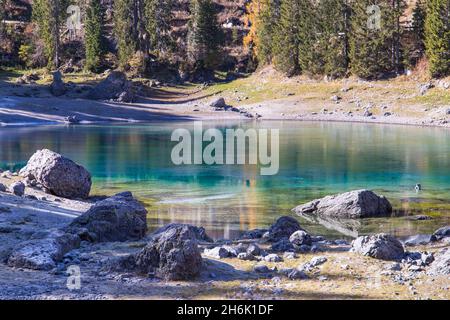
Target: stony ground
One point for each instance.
(265, 95)
(344, 275)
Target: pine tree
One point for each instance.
(375, 37)
(49, 17)
(158, 16)
(94, 23)
(288, 37)
(267, 22)
(332, 19)
(437, 37)
(124, 30)
(204, 36)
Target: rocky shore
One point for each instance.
(57, 242)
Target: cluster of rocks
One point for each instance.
(220, 105)
(29, 78)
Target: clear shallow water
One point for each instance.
(316, 159)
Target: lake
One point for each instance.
(316, 159)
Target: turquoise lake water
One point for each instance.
(316, 159)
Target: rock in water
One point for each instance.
(380, 246)
(174, 255)
(118, 218)
(17, 188)
(353, 204)
(58, 174)
(284, 227)
(441, 264)
(113, 87)
(57, 88)
(200, 233)
(43, 253)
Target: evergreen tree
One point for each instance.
(288, 36)
(204, 35)
(267, 22)
(49, 16)
(332, 19)
(124, 30)
(437, 37)
(418, 23)
(94, 35)
(158, 15)
(375, 37)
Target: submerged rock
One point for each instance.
(380, 246)
(58, 174)
(417, 240)
(284, 227)
(118, 218)
(353, 204)
(43, 253)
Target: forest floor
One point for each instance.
(266, 95)
(345, 275)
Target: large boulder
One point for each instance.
(441, 264)
(43, 253)
(284, 227)
(199, 232)
(115, 86)
(58, 174)
(174, 255)
(353, 204)
(441, 233)
(57, 87)
(118, 218)
(380, 246)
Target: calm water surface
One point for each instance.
(316, 159)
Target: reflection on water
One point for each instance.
(316, 159)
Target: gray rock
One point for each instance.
(57, 87)
(2, 187)
(246, 256)
(217, 253)
(43, 253)
(441, 264)
(254, 249)
(380, 246)
(427, 258)
(58, 174)
(17, 188)
(393, 267)
(72, 120)
(260, 268)
(300, 237)
(296, 274)
(423, 88)
(111, 88)
(441, 233)
(273, 258)
(417, 240)
(317, 261)
(353, 204)
(200, 232)
(118, 218)
(174, 255)
(284, 227)
(289, 255)
(218, 103)
(282, 245)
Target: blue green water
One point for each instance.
(316, 159)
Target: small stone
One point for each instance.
(245, 256)
(260, 268)
(254, 250)
(17, 188)
(289, 255)
(317, 261)
(273, 258)
(297, 275)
